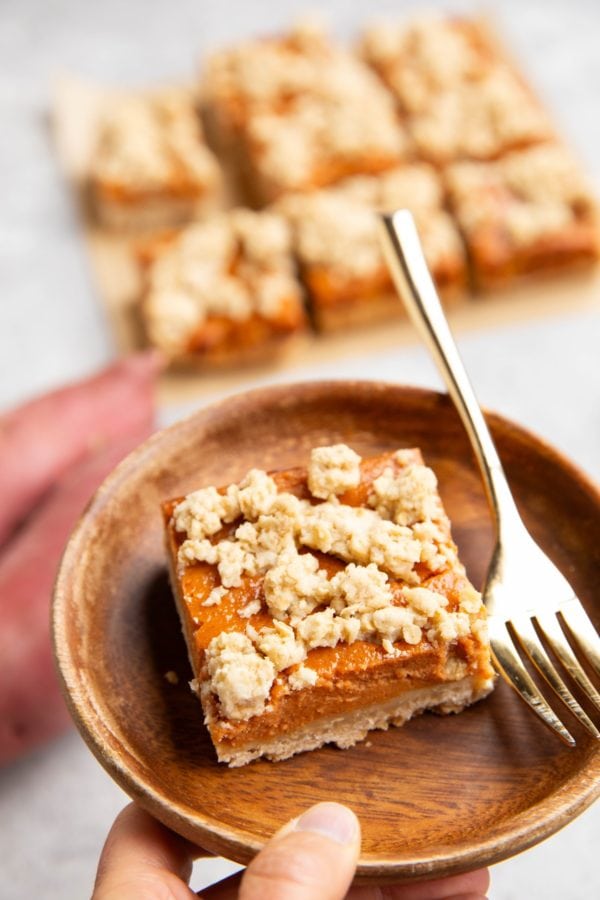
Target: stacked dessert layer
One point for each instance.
(320, 603)
(224, 289)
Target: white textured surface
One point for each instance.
(56, 806)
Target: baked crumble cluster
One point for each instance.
(152, 166)
(459, 97)
(531, 209)
(337, 243)
(301, 112)
(428, 114)
(344, 555)
(224, 285)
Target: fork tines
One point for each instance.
(508, 660)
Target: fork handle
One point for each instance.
(413, 281)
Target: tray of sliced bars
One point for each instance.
(233, 221)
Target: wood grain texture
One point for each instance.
(442, 794)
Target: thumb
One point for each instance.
(311, 858)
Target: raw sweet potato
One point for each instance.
(44, 438)
(31, 706)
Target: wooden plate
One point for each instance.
(442, 794)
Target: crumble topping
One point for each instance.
(256, 494)
(428, 54)
(310, 606)
(417, 186)
(302, 677)
(264, 72)
(280, 645)
(235, 265)
(529, 193)
(326, 629)
(279, 524)
(359, 589)
(204, 512)
(333, 231)
(333, 470)
(263, 242)
(470, 600)
(336, 228)
(240, 676)
(356, 533)
(406, 498)
(301, 103)
(215, 596)
(153, 143)
(291, 151)
(295, 585)
(546, 172)
(393, 622)
(460, 97)
(480, 120)
(479, 628)
(250, 609)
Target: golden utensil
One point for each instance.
(525, 593)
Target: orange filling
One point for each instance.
(329, 288)
(226, 334)
(178, 188)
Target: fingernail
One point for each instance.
(332, 820)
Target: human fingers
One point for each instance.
(42, 439)
(469, 886)
(311, 858)
(143, 860)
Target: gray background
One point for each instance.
(56, 806)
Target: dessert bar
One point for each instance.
(223, 290)
(151, 167)
(530, 212)
(336, 240)
(459, 95)
(296, 112)
(319, 603)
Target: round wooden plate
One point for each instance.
(442, 794)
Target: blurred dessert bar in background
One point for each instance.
(224, 290)
(336, 241)
(152, 167)
(457, 94)
(532, 211)
(428, 114)
(297, 112)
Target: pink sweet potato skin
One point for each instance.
(41, 440)
(32, 709)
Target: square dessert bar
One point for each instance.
(337, 243)
(151, 167)
(224, 290)
(298, 113)
(460, 97)
(529, 212)
(320, 603)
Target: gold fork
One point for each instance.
(524, 591)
